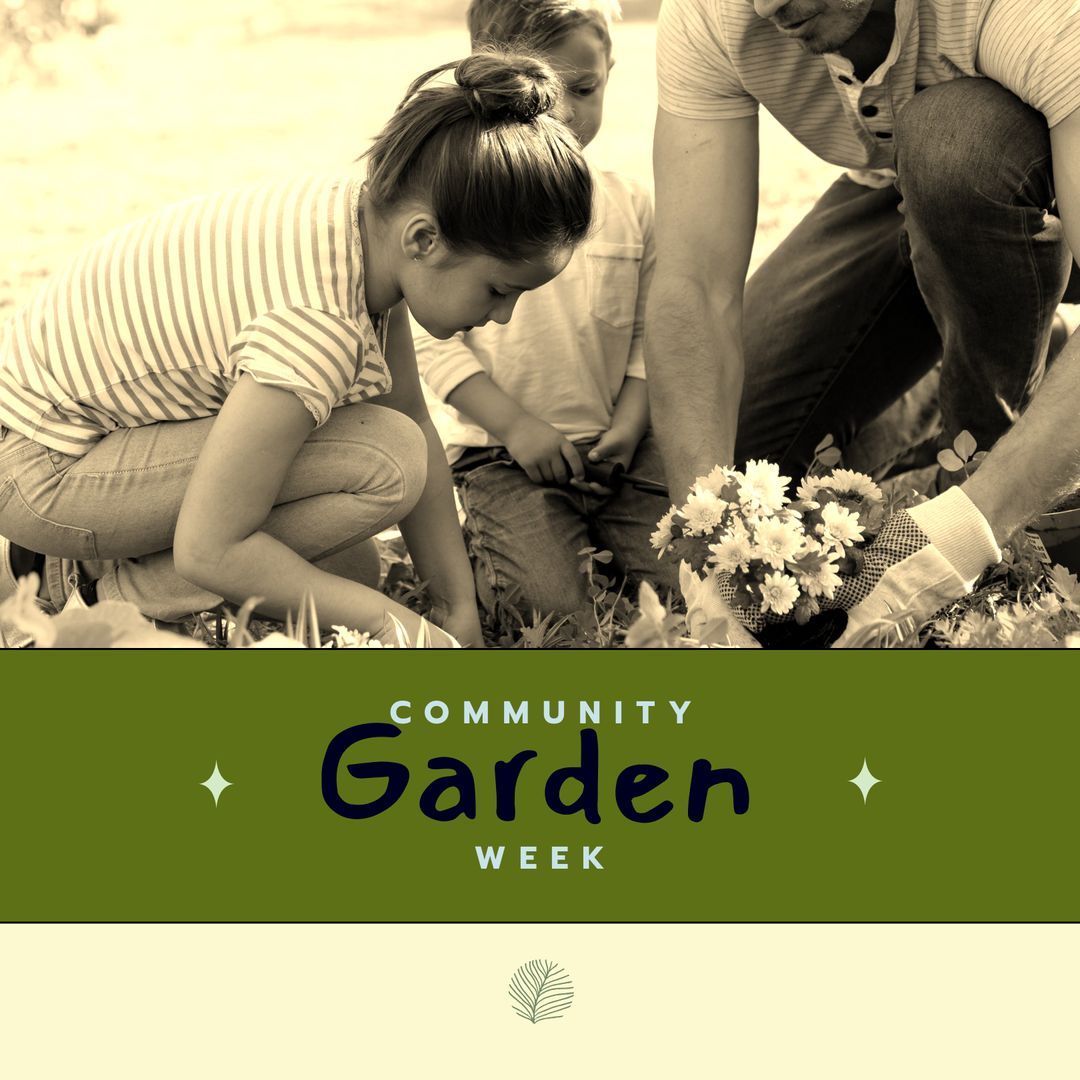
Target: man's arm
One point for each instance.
(706, 175)
(957, 534)
(1038, 460)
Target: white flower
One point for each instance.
(847, 481)
(762, 487)
(703, 511)
(717, 480)
(749, 522)
(662, 537)
(733, 551)
(824, 580)
(777, 541)
(779, 593)
(841, 525)
(344, 638)
(807, 490)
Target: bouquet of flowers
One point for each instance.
(771, 558)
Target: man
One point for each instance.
(950, 237)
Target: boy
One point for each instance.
(566, 378)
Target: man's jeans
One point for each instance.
(111, 514)
(962, 261)
(525, 537)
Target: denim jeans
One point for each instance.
(525, 537)
(962, 261)
(111, 514)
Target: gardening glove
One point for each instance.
(922, 560)
(754, 630)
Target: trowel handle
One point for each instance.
(608, 474)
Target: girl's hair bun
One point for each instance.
(501, 86)
(489, 155)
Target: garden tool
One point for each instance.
(613, 474)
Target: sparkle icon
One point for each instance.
(216, 784)
(864, 781)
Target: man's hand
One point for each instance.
(922, 560)
(545, 454)
(615, 445)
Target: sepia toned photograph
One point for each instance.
(540, 324)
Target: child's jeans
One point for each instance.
(111, 514)
(525, 537)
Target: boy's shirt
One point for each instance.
(571, 343)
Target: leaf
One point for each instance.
(950, 461)
(241, 636)
(1067, 585)
(275, 640)
(892, 631)
(965, 445)
(314, 639)
(655, 627)
(688, 549)
(541, 990)
(21, 610)
(401, 634)
(830, 457)
(806, 607)
(709, 619)
(111, 624)
(872, 517)
(811, 562)
(824, 444)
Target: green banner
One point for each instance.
(606, 786)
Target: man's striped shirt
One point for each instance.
(157, 321)
(717, 59)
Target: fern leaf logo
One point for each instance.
(541, 990)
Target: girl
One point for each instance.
(221, 401)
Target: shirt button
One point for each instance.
(883, 134)
(869, 110)
(845, 80)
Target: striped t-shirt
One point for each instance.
(157, 320)
(718, 59)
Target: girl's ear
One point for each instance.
(420, 237)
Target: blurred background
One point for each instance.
(111, 108)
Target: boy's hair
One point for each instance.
(538, 24)
(502, 175)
